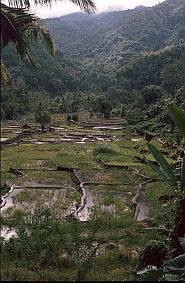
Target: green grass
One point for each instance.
(76, 156)
(163, 214)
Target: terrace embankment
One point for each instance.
(81, 211)
(10, 184)
(141, 208)
(141, 211)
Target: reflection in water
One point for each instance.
(3, 139)
(84, 215)
(28, 200)
(135, 140)
(9, 199)
(111, 127)
(90, 203)
(7, 232)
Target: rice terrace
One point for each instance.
(91, 170)
(93, 141)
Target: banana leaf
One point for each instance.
(178, 116)
(182, 242)
(165, 169)
(171, 277)
(177, 264)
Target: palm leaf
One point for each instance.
(4, 73)
(40, 33)
(182, 242)
(178, 116)
(85, 5)
(14, 23)
(165, 168)
(176, 264)
(21, 28)
(155, 168)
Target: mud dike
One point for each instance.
(141, 212)
(81, 210)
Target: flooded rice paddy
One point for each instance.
(96, 188)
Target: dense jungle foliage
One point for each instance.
(135, 67)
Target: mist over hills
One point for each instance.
(113, 38)
(114, 54)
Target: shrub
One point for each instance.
(75, 117)
(101, 148)
(68, 118)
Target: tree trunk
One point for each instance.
(42, 126)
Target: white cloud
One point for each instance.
(64, 8)
(104, 5)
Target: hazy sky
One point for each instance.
(66, 7)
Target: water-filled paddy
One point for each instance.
(85, 173)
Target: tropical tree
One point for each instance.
(173, 269)
(170, 77)
(151, 94)
(175, 178)
(45, 243)
(20, 27)
(106, 109)
(43, 119)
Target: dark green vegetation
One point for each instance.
(132, 59)
(155, 266)
(21, 27)
(115, 37)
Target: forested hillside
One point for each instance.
(115, 37)
(117, 57)
(28, 85)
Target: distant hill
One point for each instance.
(115, 54)
(53, 75)
(115, 37)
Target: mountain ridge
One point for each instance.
(113, 38)
(124, 56)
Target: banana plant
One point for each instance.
(175, 178)
(178, 116)
(172, 270)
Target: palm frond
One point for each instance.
(85, 5)
(40, 33)
(14, 23)
(4, 74)
(21, 28)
